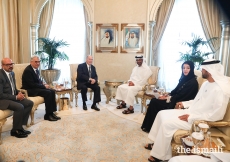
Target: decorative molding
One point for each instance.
(89, 8)
(38, 7)
(151, 25)
(90, 24)
(154, 7)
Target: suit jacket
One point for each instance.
(30, 81)
(83, 74)
(6, 90)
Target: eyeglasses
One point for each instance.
(37, 62)
(8, 64)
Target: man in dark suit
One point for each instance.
(32, 83)
(87, 78)
(12, 99)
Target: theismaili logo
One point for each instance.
(182, 150)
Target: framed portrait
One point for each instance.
(106, 38)
(132, 38)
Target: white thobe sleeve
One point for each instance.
(218, 109)
(144, 78)
(187, 104)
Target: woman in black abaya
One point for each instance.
(186, 89)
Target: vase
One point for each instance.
(50, 75)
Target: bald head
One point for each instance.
(7, 64)
(89, 59)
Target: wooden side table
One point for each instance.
(110, 89)
(63, 91)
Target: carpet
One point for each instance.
(87, 136)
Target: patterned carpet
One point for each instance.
(87, 137)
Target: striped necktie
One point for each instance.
(89, 71)
(12, 83)
(38, 76)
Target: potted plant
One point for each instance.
(195, 53)
(49, 53)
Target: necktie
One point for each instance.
(12, 83)
(38, 76)
(90, 71)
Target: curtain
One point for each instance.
(209, 13)
(162, 18)
(9, 32)
(87, 29)
(46, 19)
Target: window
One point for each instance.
(184, 20)
(69, 24)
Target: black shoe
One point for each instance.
(49, 117)
(18, 134)
(95, 107)
(25, 131)
(84, 107)
(145, 130)
(56, 117)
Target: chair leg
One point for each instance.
(0, 133)
(90, 95)
(1, 124)
(136, 100)
(142, 101)
(76, 98)
(34, 108)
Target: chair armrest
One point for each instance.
(213, 124)
(98, 82)
(144, 88)
(219, 124)
(23, 91)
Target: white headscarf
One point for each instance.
(217, 72)
(144, 61)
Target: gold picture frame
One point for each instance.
(107, 38)
(132, 38)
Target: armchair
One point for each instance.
(151, 81)
(217, 129)
(18, 70)
(73, 75)
(4, 114)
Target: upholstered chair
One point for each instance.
(18, 70)
(73, 75)
(218, 128)
(151, 81)
(4, 114)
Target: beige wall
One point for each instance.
(117, 65)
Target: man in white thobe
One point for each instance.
(210, 104)
(138, 78)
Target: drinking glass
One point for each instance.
(196, 138)
(55, 84)
(66, 82)
(203, 128)
(162, 90)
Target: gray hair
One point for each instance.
(34, 56)
(88, 56)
